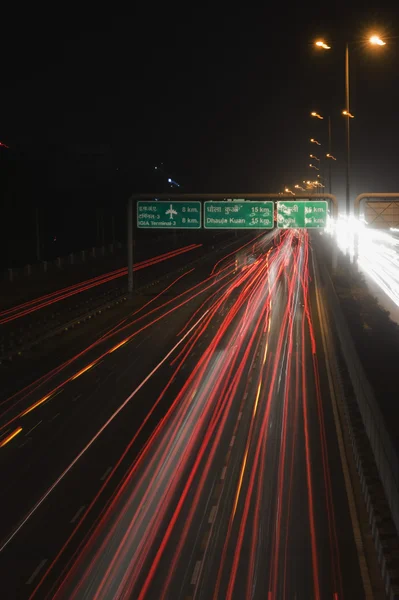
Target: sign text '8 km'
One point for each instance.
(165, 214)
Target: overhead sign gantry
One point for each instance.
(251, 211)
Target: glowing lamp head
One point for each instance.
(377, 41)
(321, 44)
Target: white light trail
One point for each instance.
(375, 251)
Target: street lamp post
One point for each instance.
(376, 41)
(38, 243)
(329, 156)
(130, 246)
(348, 135)
(318, 116)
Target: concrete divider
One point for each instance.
(73, 258)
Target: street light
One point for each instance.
(374, 40)
(314, 114)
(330, 156)
(313, 167)
(377, 41)
(322, 44)
(313, 141)
(315, 157)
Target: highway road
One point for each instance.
(191, 454)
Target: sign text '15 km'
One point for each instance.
(306, 214)
(238, 214)
(165, 214)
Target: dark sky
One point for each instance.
(90, 102)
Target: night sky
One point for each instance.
(90, 103)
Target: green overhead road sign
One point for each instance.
(239, 214)
(174, 214)
(307, 214)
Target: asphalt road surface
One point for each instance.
(193, 454)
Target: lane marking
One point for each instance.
(205, 540)
(217, 490)
(232, 441)
(107, 472)
(36, 571)
(53, 418)
(77, 397)
(34, 427)
(38, 504)
(212, 514)
(239, 416)
(77, 515)
(364, 572)
(196, 572)
(25, 442)
(223, 473)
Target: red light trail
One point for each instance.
(231, 445)
(16, 312)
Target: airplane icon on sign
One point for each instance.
(171, 211)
